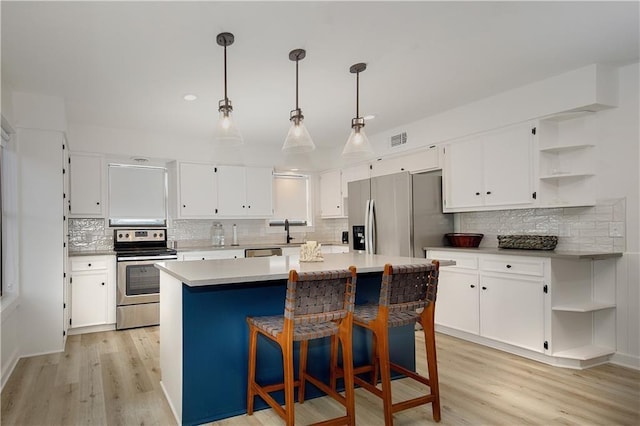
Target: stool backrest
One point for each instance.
(409, 287)
(320, 296)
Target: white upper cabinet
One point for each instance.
(414, 162)
(86, 175)
(490, 171)
(245, 191)
(198, 191)
(352, 174)
(259, 186)
(331, 194)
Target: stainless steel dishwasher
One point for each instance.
(263, 252)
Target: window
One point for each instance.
(291, 200)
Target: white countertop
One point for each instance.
(230, 271)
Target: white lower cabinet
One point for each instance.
(512, 310)
(556, 310)
(212, 254)
(458, 300)
(93, 291)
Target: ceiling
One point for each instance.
(128, 64)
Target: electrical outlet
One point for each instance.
(616, 229)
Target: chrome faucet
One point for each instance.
(286, 228)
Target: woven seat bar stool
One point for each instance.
(404, 291)
(317, 305)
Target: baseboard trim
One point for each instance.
(91, 329)
(626, 360)
(9, 371)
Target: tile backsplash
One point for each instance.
(596, 228)
(94, 234)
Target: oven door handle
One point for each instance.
(147, 258)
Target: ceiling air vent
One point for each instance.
(399, 139)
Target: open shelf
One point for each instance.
(565, 175)
(584, 307)
(563, 148)
(584, 353)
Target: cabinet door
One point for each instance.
(512, 310)
(198, 190)
(508, 166)
(259, 191)
(89, 299)
(330, 194)
(351, 174)
(232, 191)
(462, 174)
(86, 185)
(457, 303)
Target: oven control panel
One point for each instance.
(139, 235)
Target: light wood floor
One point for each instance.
(112, 378)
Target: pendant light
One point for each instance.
(357, 145)
(227, 133)
(298, 139)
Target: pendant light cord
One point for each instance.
(226, 100)
(297, 83)
(358, 95)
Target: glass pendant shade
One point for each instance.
(298, 139)
(227, 133)
(357, 145)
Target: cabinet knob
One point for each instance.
(98, 203)
(472, 286)
(184, 205)
(488, 192)
(102, 283)
(508, 266)
(89, 265)
(477, 193)
(484, 288)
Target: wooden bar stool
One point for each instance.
(318, 304)
(404, 290)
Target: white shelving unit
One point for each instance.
(565, 163)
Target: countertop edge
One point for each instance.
(554, 254)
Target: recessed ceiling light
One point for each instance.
(190, 97)
(369, 117)
(294, 170)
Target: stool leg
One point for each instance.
(287, 358)
(347, 364)
(382, 348)
(375, 359)
(304, 345)
(427, 319)
(333, 373)
(253, 338)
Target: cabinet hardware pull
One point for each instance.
(477, 193)
(508, 266)
(102, 283)
(472, 286)
(488, 192)
(184, 205)
(484, 288)
(89, 265)
(98, 203)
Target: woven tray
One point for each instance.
(528, 242)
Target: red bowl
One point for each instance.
(464, 240)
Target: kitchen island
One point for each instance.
(204, 336)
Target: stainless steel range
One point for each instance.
(138, 281)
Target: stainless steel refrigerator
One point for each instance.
(398, 214)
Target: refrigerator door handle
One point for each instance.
(372, 228)
(366, 227)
